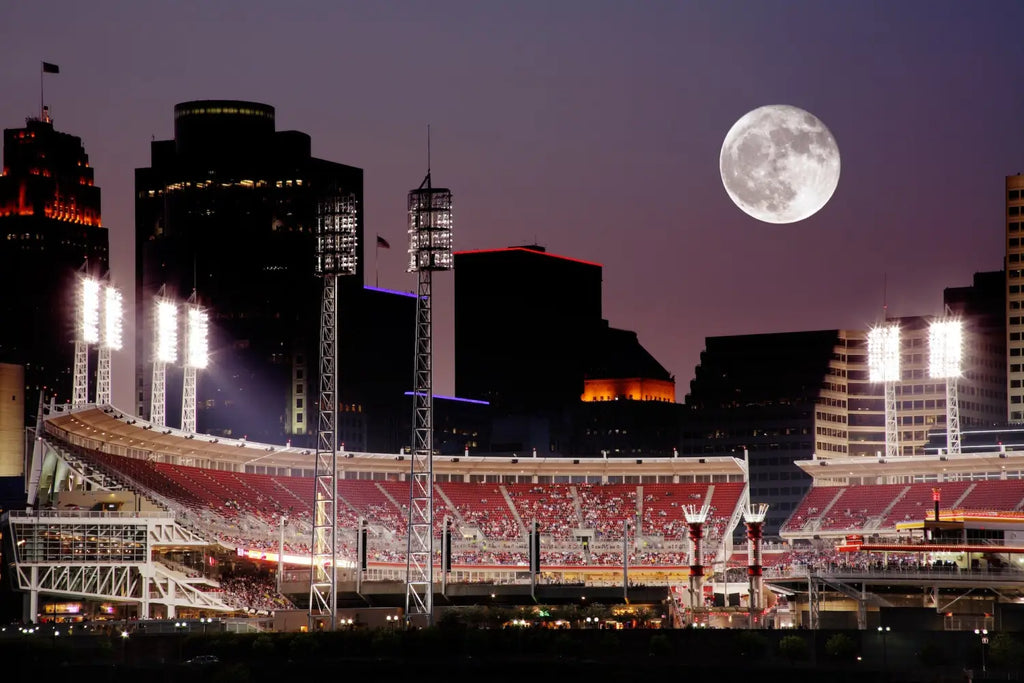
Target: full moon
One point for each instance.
(780, 164)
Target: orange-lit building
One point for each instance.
(49, 226)
(531, 340)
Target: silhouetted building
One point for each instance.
(530, 339)
(759, 392)
(228, 208)
(628, 404)
(524, 320)
(49, 227)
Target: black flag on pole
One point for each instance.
(50, 68)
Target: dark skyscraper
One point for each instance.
(49, 227)
(228, 208)
(524, 320)
(759, 392)
(530, 339)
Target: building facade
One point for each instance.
(850, 415)
(1015, 298)
(757, 394)
(50, 226)
(227, 209)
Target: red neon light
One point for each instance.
(530, 251)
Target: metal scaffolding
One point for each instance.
(430, 249)
(336, 256)
(158, 395)
(103, 391)
(80, 388)
(195, 357)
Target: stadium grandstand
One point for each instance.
(603, 522)
(158, 523)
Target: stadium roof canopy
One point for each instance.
(111, 431)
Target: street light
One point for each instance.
(884, 630)
(983, 632)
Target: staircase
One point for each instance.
(816, 521)
(451, 506)
(512, 507)
(576, 506)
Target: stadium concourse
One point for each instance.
(153, 519)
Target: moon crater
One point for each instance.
(779, 164)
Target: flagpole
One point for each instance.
(376, 264)
(41, 105)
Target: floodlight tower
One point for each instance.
(945, 351)
(197, 356)
(754, 516)
(166, 351)
(87, 332)
(336, 251)
(430, 249)
(113, 340)
(695, 520)
(884, 367)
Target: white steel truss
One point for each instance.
(323, 594)
(336, 255)
(430, 249)
(158, 395)
(80, 388)
(419, 596)
(103, 397)
(892, 428)
(952, 416)
(188, 400)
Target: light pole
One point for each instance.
(983, 633)
(884, 367)
(884, 630)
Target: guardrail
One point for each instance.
(92, 514)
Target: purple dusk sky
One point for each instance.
(590, 127)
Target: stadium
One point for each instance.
(136, 522)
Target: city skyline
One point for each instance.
(590, 128)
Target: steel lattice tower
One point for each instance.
(86, 332)
(113, 315)
(337, 248)
(166, 351)
(884, 367)
(430, 249)
(195, 358)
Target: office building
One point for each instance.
(524, 321)
(757, 394)
(227, 208)
(50, 226)
(1015, 298)
(530, 340)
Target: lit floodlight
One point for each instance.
(113, 319)
(196, 344)
(945, 348)
(166, 331)
(90, 310)
(884, 354)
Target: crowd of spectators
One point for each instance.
(252, 591)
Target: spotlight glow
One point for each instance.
(113, 319)
(197, 345)
(166, 331)
(90, 310)
(884, 354)
(945, 348)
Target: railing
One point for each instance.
(92, 514)
(803, 572)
